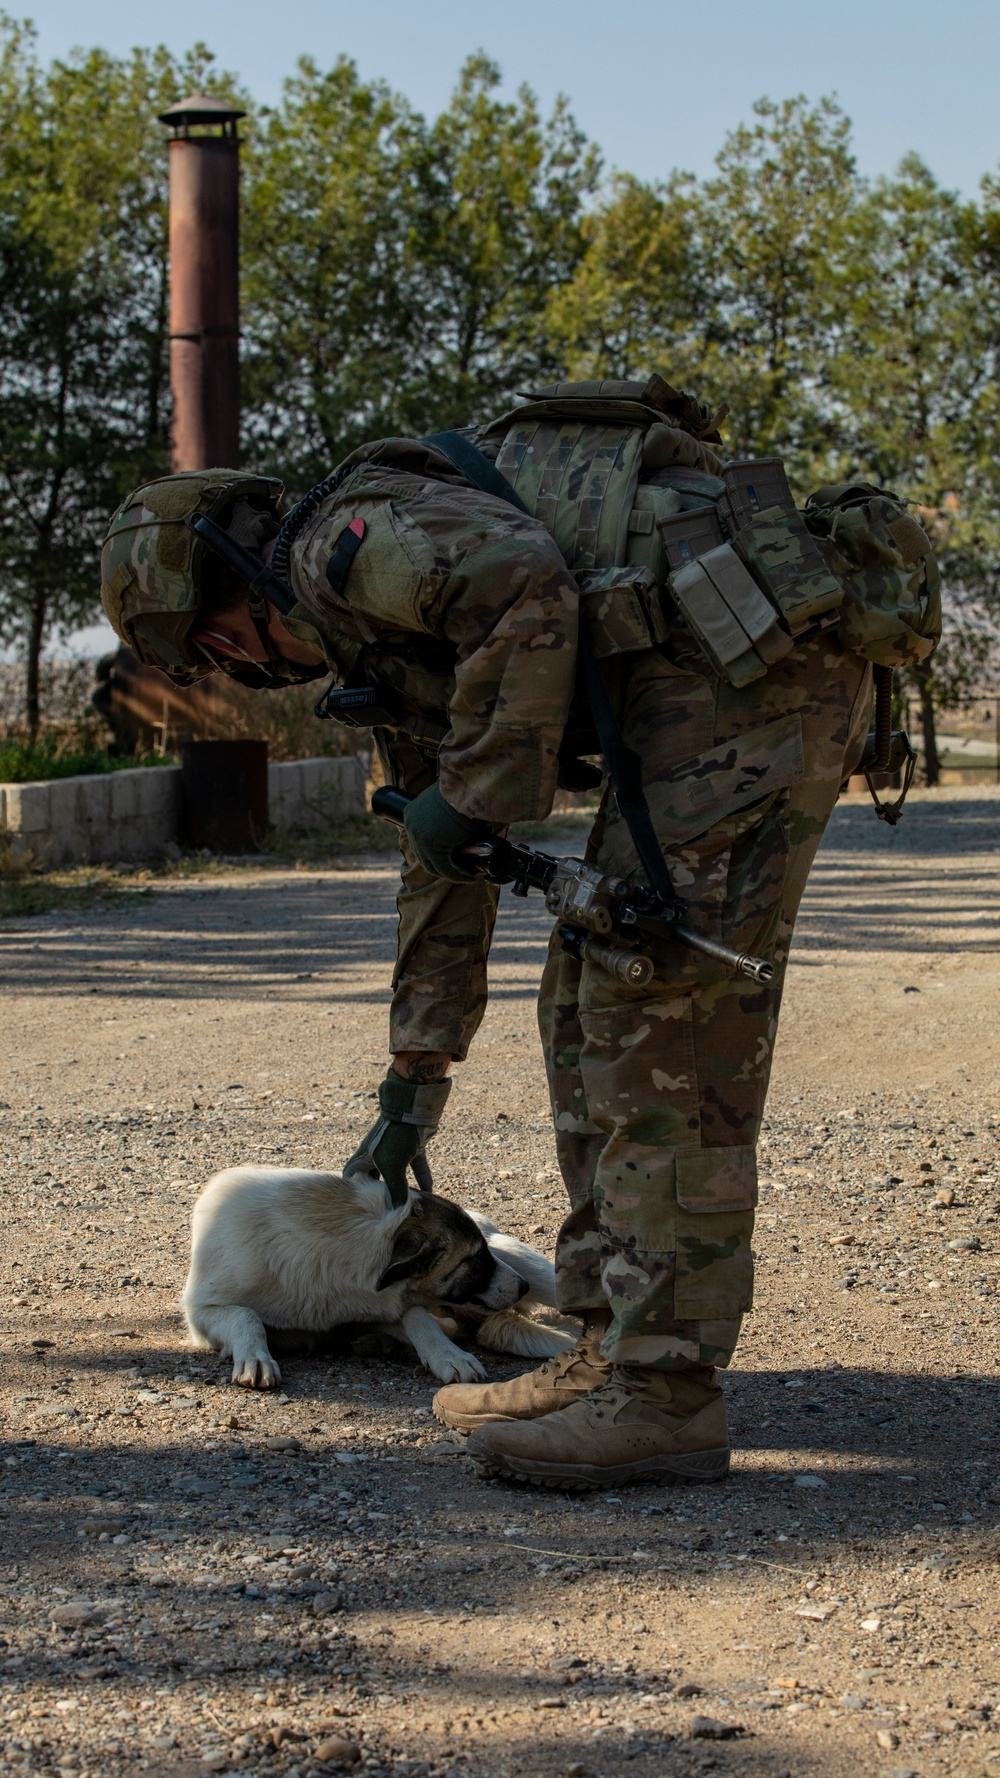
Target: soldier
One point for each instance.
(461, 612)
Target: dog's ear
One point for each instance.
(408, 1249)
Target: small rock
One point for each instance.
(216, 1762)
(282, 1444)
(324, 1603)
(688, 1690)
(902, 1772)
(871, 1623)
(77, 1613)
(841, 1240)
(551, 1704)
(563, 1663)
(278, 1736)
(851, 1701)
(708, 1728)
(945, 1197)
(810, 1481)
(887, 1739)
(967, 1244)
(576, 1770)
(338, 1751)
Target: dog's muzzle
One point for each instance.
(504, 1289)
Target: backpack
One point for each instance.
(647, 515)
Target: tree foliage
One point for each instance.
(83, 301)
(395, 272)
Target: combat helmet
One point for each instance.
(152, 564)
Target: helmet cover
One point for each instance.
(151, 562)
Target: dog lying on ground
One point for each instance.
(284, 1249)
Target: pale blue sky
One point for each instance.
(656, 82)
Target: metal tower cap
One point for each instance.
(200, 109)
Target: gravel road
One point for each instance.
(195, 1580)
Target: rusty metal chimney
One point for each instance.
(204, 283)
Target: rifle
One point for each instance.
(591, 908)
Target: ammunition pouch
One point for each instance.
(620, 611)
(749, 597)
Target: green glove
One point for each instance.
(434, 830)
(410, 1112)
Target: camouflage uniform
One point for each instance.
(657, 1096)
(464, 613)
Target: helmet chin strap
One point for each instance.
(259, 574)
(259, 617)
(264, 585)
(227, 641)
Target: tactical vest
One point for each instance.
(656, 526)
(648, 516)
(623, 476)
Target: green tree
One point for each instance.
(498, 229)
(83, 280)
(396, 273)
(909, 378)
(773, 225)
(637, 299)
(332, 340)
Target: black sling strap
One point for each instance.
(624, 764)
(476, 468)
(625, 771)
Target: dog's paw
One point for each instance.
(463, 1368)
(257, 1373)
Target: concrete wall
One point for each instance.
(97, 817)
(311, 792)
(106, 816)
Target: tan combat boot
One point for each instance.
(555, 1384)
(640, 1426)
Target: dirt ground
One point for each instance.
(194, 1580)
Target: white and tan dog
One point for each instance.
(286, 1249)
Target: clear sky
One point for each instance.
(656, 82)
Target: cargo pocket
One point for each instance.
(716, 1195)
(387, 575)
(757, 867)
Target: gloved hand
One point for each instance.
(434, 830)
(410, 1111)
